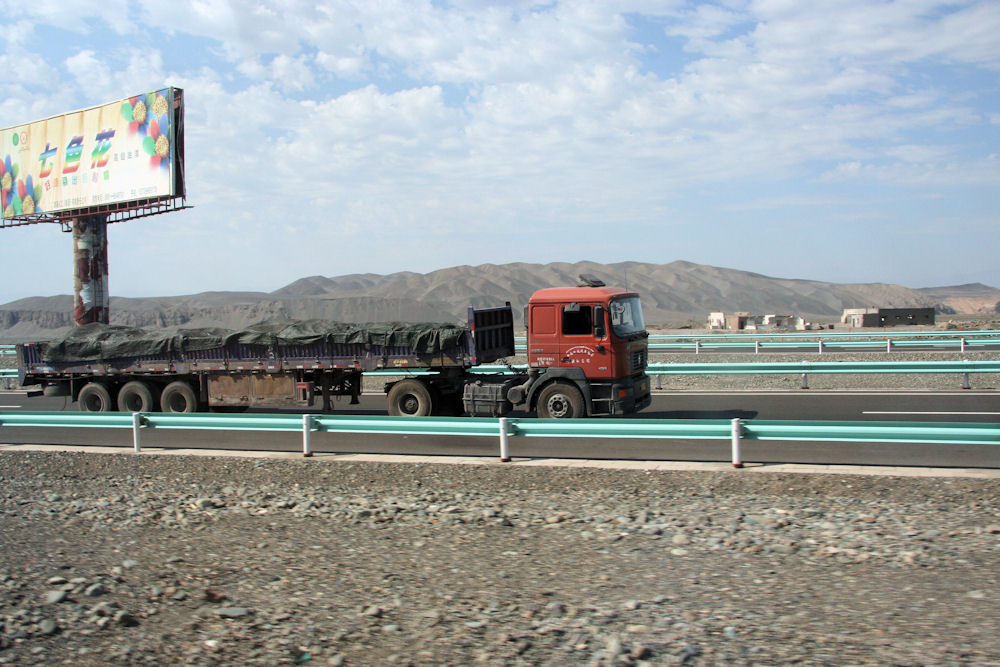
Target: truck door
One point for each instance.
(580, 342)
(569, 335)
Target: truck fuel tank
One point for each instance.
(487, 396)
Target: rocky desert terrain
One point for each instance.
(158, 560)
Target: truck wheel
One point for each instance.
(136, 396)
(178, 397)
(560, 401)
(410, 398)
(95, 397)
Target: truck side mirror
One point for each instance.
(600, 331)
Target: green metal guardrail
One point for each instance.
(984, 366)
(819, 333)
(883, 345)
(805, 368)
(826, 341)
(8, 372)
(824, 333)
(735, 430)
(7, 349)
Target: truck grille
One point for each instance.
(639, 358)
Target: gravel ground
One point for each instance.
(149, 560)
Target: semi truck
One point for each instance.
(586, 355)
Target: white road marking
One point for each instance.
(10, 407)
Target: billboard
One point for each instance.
(128, 151)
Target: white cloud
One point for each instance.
(287, 74)
(416, 120)
(87, 69)
(72, 15)
(346, 66)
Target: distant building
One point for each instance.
(717, 320)
(742, 321)
(886, 317)
(736, 321)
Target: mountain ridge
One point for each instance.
(679, 291)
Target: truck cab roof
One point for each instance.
(570, 294)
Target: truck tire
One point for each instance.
(95, 397)
(560, 400)
(410, 398)
(178, 397)
(137, 396)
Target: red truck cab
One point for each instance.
(591, 339)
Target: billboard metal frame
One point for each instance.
(112, 213)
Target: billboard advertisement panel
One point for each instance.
(126, 151)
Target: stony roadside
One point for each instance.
(157, 560)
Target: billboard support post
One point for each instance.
(90, 270)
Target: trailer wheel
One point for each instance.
(137, 396)
(560, 400)
(95, 397)
(410, 398)
(178, 397)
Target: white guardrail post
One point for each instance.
(136, 427)
(504, 444)
(307, 422)
(737, 433)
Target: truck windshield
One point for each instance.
(626, 316)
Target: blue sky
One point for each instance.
(854, 141)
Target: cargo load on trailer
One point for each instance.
(93, 342)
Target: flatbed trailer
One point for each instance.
(257, 367)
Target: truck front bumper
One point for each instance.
(631, 395)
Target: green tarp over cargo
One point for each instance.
(102, 341)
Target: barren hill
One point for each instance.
(672, 293)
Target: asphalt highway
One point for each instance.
(956, 406)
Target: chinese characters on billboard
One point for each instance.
(116, 153)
